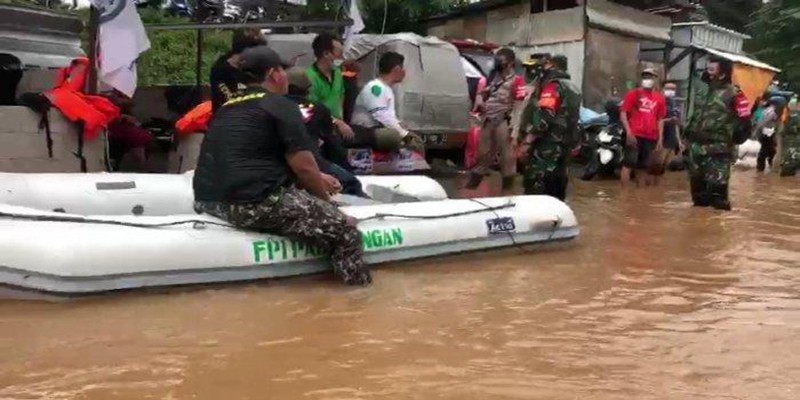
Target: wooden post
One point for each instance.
(94, 29)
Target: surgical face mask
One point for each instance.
(669, 93)
(648, 83)
(338, 63)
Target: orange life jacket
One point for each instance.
(195, 120)
(95, 112)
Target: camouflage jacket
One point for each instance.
(791, 134)
(713, 119)
(559, 127)
(793, 126)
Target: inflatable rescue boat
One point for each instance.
(85, 233)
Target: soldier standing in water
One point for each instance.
(550, 124)
(791, 146)
(716, 124)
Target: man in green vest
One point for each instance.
(327, 83)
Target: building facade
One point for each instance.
(601, 39)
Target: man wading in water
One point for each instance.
(496, 103)
(643, 112)
(256, 152)
(718, 122)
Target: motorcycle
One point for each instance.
(218, 11)
(589, 125)
(608, 146)
(180, 8)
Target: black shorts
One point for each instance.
(637, 157)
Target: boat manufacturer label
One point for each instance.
(500, 225)
(288, 250)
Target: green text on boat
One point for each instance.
(287, 250)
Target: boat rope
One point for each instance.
(198, 224)
(485, 208)
(520, 246)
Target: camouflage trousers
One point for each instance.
(295, 214)
(791, 158)
(709, 173)
(546, 169)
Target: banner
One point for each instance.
(121, 39)
(352, 12)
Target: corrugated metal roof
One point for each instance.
(628, 20)
(738, 58)
(712, 26)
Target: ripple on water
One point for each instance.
(656, 300)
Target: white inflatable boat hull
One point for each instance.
(76, 252)
(162, 194)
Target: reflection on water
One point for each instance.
(656, 300)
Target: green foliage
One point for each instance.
(172, 55)
(401, 15)
(776, 39)
(171, 58)
(732, 14)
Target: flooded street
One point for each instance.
(655, 300)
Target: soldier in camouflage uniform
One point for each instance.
(791, 146)
(550, 123)
(257, 155)
(718, 121)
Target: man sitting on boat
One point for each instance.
(375, 118)
(257, 158)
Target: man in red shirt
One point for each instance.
(643, 111)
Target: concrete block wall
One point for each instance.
(23, 146)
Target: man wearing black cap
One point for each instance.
(224, 78)
(254, 157)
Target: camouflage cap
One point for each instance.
(536, 59)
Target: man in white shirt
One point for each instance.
(375, 107)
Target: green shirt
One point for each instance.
(329, 93)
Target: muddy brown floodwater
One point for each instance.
(655, 300)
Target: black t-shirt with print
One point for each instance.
(243, 156)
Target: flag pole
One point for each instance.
(198, 66)
(94, 27)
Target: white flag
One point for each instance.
(358, 23)
(121, 40)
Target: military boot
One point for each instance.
(700, 195)
(719, 197)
